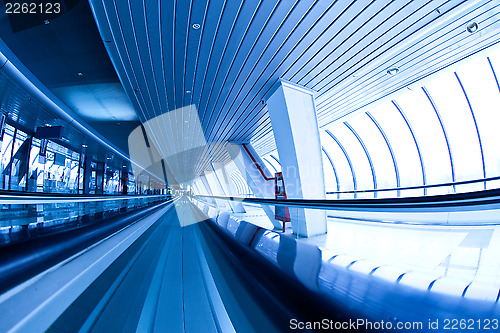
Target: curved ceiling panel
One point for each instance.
(223, 56)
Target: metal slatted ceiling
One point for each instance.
(341, 49)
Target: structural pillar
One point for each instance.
(99, 180)
(256, 175)
(87, 175)
(216, 189)
(229, 190)
(124, 181)
(205, 188)
(204, 181)
(295, 126)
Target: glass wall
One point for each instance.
(112, 182)
(272, 162)
(30, 164)
(35, 173)
(6, 155)
(441, 130)
(19, 163)
(131, 187)
(58, 170)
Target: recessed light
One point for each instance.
(84, 146)
(393, 71)
(196, 26)
(472, 27)
(108, 158)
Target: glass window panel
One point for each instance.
(6, 154)
(494, 54)
(269, 166)
(405, 151)
(379, 153)
(131, 186)
(430, 138)
(73, 176)
(60, 169)
(341, 165)
(19, 164)
(34, 165)
(482, 91)
(362, 170)
(269, 158)
(49, 183)
(330, 182)
(239, 183)
(459, 125)
(110, 185)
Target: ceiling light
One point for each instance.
(80, 73)
(472, 27)
(108, 158)
(188, 91)
(46, 21)
(393, 71)
(84, 146)
(196, 26)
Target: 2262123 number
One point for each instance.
(32, 8)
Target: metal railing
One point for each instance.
(399, 189)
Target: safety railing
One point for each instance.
(425, 190)
(34, 213)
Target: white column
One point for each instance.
(199, 188)
(229, 190)
(216, 189)
(295, 126)
(204, 183)
(260, 187)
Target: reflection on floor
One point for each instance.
(463, 260)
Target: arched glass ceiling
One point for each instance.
(272, 162)
(237, 180)
(441, 130)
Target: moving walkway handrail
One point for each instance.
(464, 182)
(32, 198)
(59, 194)
(22, 260)
(468, 199)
